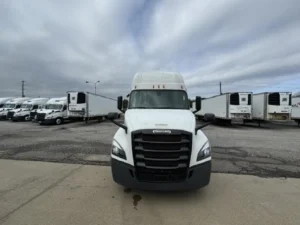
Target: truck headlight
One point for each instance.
(204, 152)
(117, 151)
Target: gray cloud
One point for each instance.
(57, 45)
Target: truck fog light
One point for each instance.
(118, 152)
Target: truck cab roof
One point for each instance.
(158, 80)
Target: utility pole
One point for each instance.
(220, 88)
(23, 94)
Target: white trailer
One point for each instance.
(272, 106)
(11, 105)
(88, 106)
(228, 106)
(295, 115)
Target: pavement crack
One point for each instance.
(5, 217)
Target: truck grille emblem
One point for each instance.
(162, 131)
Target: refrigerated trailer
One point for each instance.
(295, 115)
(88, 106)
(230, 107)
(272, 106)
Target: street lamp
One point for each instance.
(95, 83)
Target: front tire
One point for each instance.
(59, 121)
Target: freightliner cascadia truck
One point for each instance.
(159, 146)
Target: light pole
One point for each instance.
(95, 83)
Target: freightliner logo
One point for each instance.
(162, 131)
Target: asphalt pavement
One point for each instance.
(272, 150)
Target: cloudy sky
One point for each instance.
(56, 45)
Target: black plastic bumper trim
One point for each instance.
(124, 174)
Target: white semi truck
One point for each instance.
(295, 115)
(272, 106)
(88, 106)
(23, 113)
(55, 112)
(33, 113)
(11, 105)
(3, 101)
(231, 107)
(159, 146)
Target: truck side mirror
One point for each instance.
(120, 103)
(198, 103)
(125, 104)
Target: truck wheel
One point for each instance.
(59, 121)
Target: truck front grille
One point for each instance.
(41, 116)
(32, 115)
(10, 114)
(161, 157)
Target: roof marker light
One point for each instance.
(158, 86)
(153, 85)
(163, 86)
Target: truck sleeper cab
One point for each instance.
(55, 112)
(10, 107)
(24, 112)
(159, 146)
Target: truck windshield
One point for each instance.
(158, 99)
(10, 106)
(26, 106)
(53, 106)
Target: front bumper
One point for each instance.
(2, 117)
(124, 175)
(18, 118)
(47, 121)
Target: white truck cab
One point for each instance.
(159, 146)
(23, 113)
(3, 101)
(55, 112)
(11, 105)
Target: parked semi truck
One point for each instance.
(55, 112)
(23, 113)
(231, 107)
(34, 112)
(159, 146)
(295, 115)
(11, 105)
(272, 106)
(3, 100)
(88, 106)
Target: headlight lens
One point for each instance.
(204, 152)
(118, 152)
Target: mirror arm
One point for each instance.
(196, 111)
(201, 126)
(120, 125)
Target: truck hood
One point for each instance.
(137, 119)
(47, 111)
